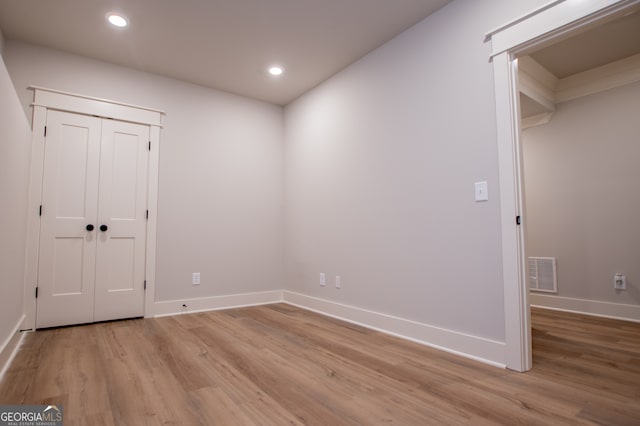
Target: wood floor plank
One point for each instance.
(281, 365)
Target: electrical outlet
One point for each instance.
(323, 279)
(195, 278)
(338, 282)
(619, 282)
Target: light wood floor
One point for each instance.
(277, 364)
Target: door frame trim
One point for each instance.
(550, 23)
(45, 99)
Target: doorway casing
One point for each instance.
(548, 24)
(49, 99)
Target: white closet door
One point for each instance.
(120, 265)
(69, 203)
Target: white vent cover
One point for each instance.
(542, 274)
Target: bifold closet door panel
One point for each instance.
(66, 268)
(121, 230)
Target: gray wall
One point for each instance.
(381, 162)
(220, 184)
(582, 183)
(15, 155)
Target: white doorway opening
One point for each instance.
(551, 23)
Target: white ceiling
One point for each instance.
(222, 44)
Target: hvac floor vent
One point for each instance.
(542, 274)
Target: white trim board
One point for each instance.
(10, 347)
(82, 104)
(214, 303)
(516, 21)
(480, 349)
(587, 307)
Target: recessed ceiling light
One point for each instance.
(117, 20)
(276, 70)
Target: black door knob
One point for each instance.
(89, 227)
(103, 228)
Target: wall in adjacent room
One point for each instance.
(380, 165)
(582, 185)
(15, 155)
(221, 166)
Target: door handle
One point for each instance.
(89, 227)
(103, 228)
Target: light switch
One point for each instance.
(482, 192)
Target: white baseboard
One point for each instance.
(477, 348)
(586, 307)
(203, 304)
(10, 347)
